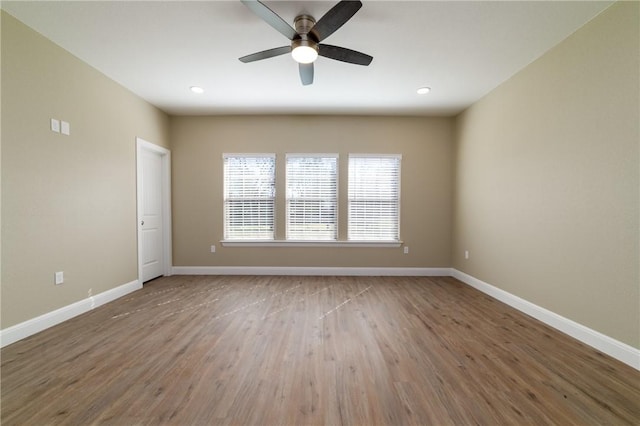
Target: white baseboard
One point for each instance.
(35, 325)
(309, 271)
(612, 347)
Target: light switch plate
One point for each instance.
(65, 128)
(59, 278)
(55, 125)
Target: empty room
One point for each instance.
(320, 213)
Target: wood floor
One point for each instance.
(189, 350)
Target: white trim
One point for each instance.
(165, 156)
(309, 243)
(310, 271)
(612, 347)
(35, 325)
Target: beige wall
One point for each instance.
(547, 179)
(68, 202)
(425, 144)
(539, 180)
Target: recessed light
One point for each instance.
(196, 89)
(423, 90)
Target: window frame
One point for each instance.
(277, 200)
(336, 198)
(226, 199)
(397, 157)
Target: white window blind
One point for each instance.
(374, 198)
(249, 196)
(312, 196)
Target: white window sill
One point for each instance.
(308, 243)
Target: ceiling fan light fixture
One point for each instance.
(304, 51)
(304, 54)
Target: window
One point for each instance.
(374, 197)
(249, 196)
(312, 196)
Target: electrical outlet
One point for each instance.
(213, 249)
(406, 250)
(466, 254)
(59, 278)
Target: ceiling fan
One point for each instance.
(307, 35)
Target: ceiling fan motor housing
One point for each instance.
(304, 24)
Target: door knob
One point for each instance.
(142, 223)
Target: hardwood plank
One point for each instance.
(311, 350)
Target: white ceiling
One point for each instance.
(158, 49)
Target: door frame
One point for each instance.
(165, 156)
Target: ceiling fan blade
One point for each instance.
(306, 73)
(335, 18)
(271, 18)
(345, 55)
(265, 54)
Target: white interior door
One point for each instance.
(151, 215)
(154, 210)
